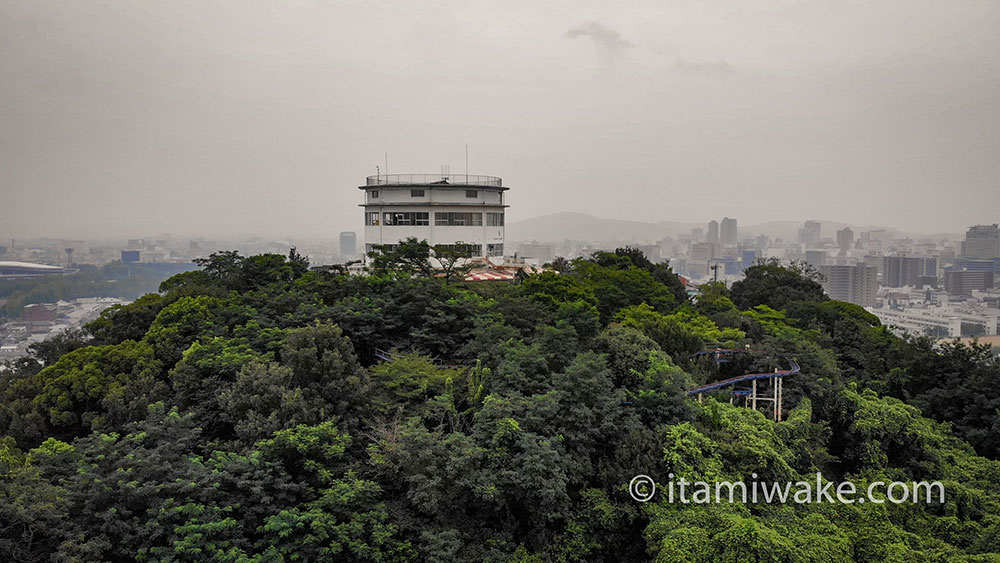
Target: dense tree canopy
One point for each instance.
(242, 414)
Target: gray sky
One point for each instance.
(129, 118)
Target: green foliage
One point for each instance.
(179, 324)
(673, 337)
(407, 258)
(769, 283)
(242, 415)
(618, 287)
(405, 384)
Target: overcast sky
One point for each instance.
(131, 118)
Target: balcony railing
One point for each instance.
(434, 179)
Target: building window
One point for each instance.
(369, 248)
(373, 194)
(471, 193)
(455, 219)
(494, 219)
(494, 249)
(469, 250)
(404, 218)
(416, 193)
(371, 218)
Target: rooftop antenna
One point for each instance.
(466, 160)
(387, 163)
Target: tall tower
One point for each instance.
(728, 232)
(713, 232)
(810, 232)
(348, 244)
(982, 242)
(845, 238)
(443, 209)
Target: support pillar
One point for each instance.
(781, 390)
(775, 382)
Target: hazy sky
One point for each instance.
(131, 118)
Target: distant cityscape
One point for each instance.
(940, 286)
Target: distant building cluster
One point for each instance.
(45, 320)
(871, 268)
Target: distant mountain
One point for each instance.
(557, 227)
(581, 226)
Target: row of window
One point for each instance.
(471, 249)
(404, 218)
(458, 219)
(420, 193)
(441, 219)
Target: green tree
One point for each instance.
(408, 257)
(770, 283)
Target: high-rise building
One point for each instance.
(540, 253)
(856, 284)
(982, 242)
(816, 258)
(810, 232)
(704, 251)
(964, 282)
(845, 238)
(348, 244)
(930, 266)
(713, 232)
(443, 209)
(728, 231)
(898, 271)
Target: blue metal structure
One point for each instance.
(746, 377)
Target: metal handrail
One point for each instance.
(434, 179)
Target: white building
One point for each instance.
(443, 209)
(946, 321)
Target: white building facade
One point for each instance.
(946, 321)
(443, 209)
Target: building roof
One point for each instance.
(27, 269)
(504, 271)
(443, 180)
(29, 265)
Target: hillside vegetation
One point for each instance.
(241, 414)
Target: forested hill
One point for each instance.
(242, 415)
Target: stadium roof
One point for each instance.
(8, 268)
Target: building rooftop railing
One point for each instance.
(433, 179)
